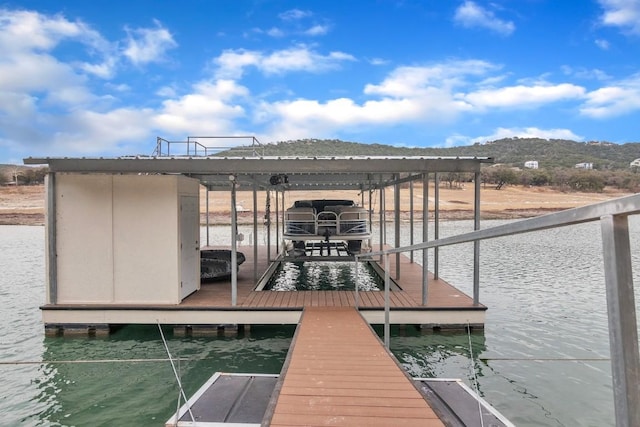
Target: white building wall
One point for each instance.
(118, 238)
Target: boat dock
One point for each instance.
(337, 373)
(135, 223)
(210, 307)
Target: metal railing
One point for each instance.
(202, 146)
(621, 310)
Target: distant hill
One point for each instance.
(510, 151)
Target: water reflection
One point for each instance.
(126, 378)
(324, 276)
(439, 354)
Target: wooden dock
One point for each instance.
(447, 306)
(338, 373)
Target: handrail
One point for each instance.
(621, 309)
(193, 146)
(629, 205)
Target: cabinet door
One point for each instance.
(189, 245)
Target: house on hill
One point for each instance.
(531, 164)
(635, 163)
(585, 165)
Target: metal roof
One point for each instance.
(296, 173)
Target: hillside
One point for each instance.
(511, 151)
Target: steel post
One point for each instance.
(476, 244)
(396, 222)
(621, 309)
(436, 225)
(255, 233)
(234, 249)
(52, 238)
(425, 237)
(207, 210)
(411, 218)
(386, 301)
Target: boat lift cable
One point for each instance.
(475, 377)
(173, 366)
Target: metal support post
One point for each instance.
(621, 309)
(277, 223)
(381, 190)
(356, 295)
(234, 249)
(267, 220)
(425, 237)
(386, 301)
(411, 219)
(476, 243)
(396, 222)
(436, 225)
(52, 238)
(207, 209)
(255, 233)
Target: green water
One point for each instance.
(543, 359)
(324, 276)
(126, 378)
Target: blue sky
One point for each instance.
(104, 78)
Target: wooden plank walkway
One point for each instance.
(338, 373)
(218, 294)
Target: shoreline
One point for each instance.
(246, 218)
(25, 205)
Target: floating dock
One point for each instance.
(337, 373)
(134, 222)
(446, 308)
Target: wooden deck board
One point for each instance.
(340, 374)
(218, 294)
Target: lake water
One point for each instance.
(543, 358)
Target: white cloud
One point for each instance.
(378, 61)
(407, 95)
(317, 30)
(614, 100)
(529, 132)
(231, 63)
(471, 15)
(147, 45)
(410, 81)
(602, 44)
(275, 32)
(585, 73)
(208, 110)
(621, 13)
(294, 15)
(524, 96)
(88, 132)
(24, 33)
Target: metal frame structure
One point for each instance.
(621, 309)
(226, 173)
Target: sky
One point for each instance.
(105, 78)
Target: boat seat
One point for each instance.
(298, 214)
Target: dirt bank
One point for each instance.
(24, 205)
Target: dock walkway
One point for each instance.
(338, 373)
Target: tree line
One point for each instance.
(15, 175)
(564, 179)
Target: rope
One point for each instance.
(546, 359)
(61, 362)
(475, 377)
(166, 347)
